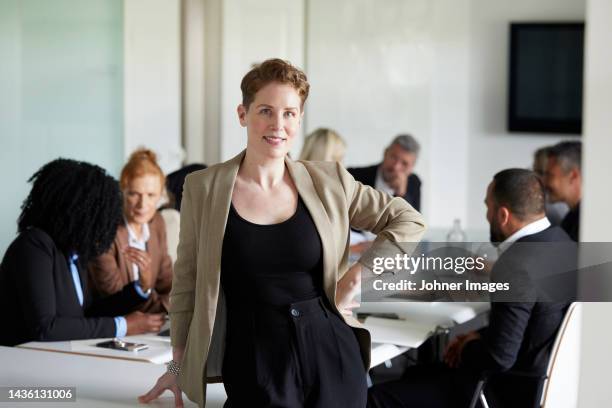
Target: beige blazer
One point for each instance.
(335, 201)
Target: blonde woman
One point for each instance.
(323, 145)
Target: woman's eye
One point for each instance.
(290, 114)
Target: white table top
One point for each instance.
(99, 382)
(443, 314)
(159, 351)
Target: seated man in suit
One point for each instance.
(394, 175)
(521, 331)
(563, 181)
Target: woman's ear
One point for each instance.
(242, 111)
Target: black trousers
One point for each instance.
(298, 356)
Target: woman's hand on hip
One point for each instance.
(168, 381)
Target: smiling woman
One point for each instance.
(262, 292)
(139, 251)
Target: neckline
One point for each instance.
(240, 217)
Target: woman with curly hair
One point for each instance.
(139, 251)
(69, 217)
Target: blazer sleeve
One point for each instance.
(117, 304)
(498, 348)
(38, 297)
(105, 273)
(182, 294)
(392, 219)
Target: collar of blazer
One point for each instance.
(222, 197)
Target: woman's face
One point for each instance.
(272, 120)
(140, 198)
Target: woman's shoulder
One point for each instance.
(32, 240)
(326, 173)
(209, 174)
(320, 168)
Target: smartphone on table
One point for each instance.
(118, 344)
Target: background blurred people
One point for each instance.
(139, 251)
(563, 181)
(70, 216)
(521, 329)
(555, 212)
(394, 175)
(175, 181)
(323, 145)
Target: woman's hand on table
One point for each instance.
(167, 381)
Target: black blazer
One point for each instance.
(520, 335)
(39, 300)
(367, 176)
(571, 223)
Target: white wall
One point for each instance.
(596, 224)
(491, 147)
(152, 79)
(434, 68)
(60, 92)
(371, 73)
(253, 31)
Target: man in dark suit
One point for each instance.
(563, 181)
(523, 323)
(394, 175)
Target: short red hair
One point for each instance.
(273, 70)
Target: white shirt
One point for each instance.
(138, 243)
(529, 229)
(381, 185)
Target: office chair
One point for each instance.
(558, 388)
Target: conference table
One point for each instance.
(114, 378)
(98, 382)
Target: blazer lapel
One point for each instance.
(310, 197)
(221, 197)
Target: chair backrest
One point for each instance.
(561, 387)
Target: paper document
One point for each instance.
(397, 331)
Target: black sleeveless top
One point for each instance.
(275, 264)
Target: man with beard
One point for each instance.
(522, 324)
(394, 175)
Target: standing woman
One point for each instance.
(69, 217)
(261, 277)
(139, 252)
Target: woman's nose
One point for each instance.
(276, 122)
